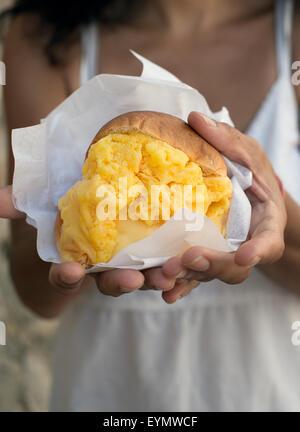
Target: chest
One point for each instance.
(233, 67)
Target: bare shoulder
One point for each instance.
(296, 41)
(33, 87)
(23, 47)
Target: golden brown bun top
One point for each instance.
(171, 130)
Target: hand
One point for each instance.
(70, 278)
(265, 242)
(7, 209)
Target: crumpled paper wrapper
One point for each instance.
(49, 159)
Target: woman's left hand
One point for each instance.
(265, 244)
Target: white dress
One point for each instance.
(223, 347)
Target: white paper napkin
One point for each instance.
(49, 159)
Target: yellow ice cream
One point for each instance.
(142, 161)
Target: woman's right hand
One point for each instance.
(7, 208)
(70, 277)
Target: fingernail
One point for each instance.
(200, 264)
(253, 263)
(182, 274)
(70, 285)
(209, 121)
(125, 290)
(152, 287)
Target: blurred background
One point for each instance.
(25, 361)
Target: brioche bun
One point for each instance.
(172, 130)
(161, 128)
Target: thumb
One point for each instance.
(67, 277)
(7, 208)
(226, 139)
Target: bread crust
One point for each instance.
(171, 130)
(57, 227)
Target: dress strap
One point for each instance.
(89, 52)
(283, 28)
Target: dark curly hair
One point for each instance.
(62, 18)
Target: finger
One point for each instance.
(266, 244)
(7, 208)
(181, 289)
(173, 268)
(156, 279)
(210, 264)
(242, 149)
(66, 277)
(267, 237)
(118, 282)
(238, 147)
(265, 247)
(223, 137)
